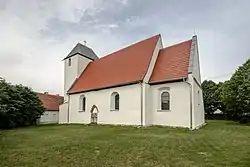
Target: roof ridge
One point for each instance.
(158, 35)
(49, 94)
(84, 45)
(176, 44)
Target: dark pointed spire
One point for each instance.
(83, 51)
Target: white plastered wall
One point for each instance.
(198, 117)
(82, 64)
(146, 94)
(129, 108)
(194, 63)
(50, 117)
(71, 73)
(147, 104)
(63, 113)
(198, 106)
(179, 113)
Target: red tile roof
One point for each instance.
(124, 66)
(50, 102)
(172, 63)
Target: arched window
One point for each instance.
(82, 103)
(115, 100)
(165, 101)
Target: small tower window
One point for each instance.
(69, 61)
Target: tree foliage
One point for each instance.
(236, 92)
(211, 101)
(19, 106)
(232, 96)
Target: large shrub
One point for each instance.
(232, 96)
(19, 106)
(210, 96)
(236, 92)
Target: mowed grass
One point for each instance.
(219, 143)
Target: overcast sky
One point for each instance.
(36, 35)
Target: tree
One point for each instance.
(218, 96)
(236, 92)
(211, 96)
(19, 106)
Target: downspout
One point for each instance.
(68, 109)
(141, 103)
(191, 103)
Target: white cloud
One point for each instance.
(25, 56)
(36, 35)
(113, 26)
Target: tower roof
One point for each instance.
(83, 51)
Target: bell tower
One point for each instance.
(75, 63)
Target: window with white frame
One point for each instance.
(165, 100)
(82, 102)
(114, 101)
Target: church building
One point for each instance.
(143, 84)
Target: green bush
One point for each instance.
(232, 96)
(244, 120)
(19, 106)
(236, 92)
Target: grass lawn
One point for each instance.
(219, 143)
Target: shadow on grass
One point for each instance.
(237, 123)
(227, 122)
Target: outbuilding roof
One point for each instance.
(50, 102)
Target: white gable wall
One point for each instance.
(129, 108)
(179, 113)
(194, 63)
(82, 64)
(194, 78)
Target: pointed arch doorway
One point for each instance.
(94, 114)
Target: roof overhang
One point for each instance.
(168, 81)
(76, 54)
(107, 87)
